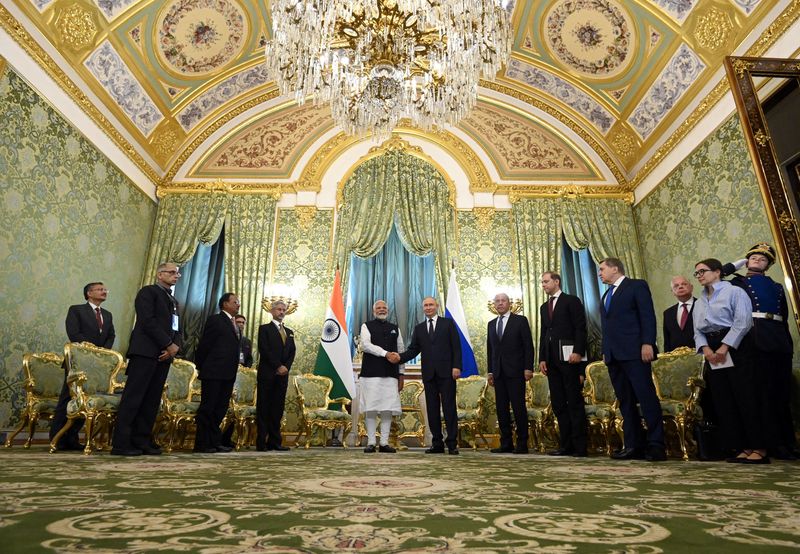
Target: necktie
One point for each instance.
(550, 307)
(684, 315)
(430, 328)
(99, 319)
(500, 327)
(608, 297)
(282, 331)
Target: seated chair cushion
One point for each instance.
(329, 415)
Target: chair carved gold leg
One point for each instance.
(680, 425)
(61, 433)
(10, 438)
(31, 428)
(90, 422)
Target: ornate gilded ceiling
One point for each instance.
(593, 90)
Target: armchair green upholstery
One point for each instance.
(313, 397)
(91, 374)
(243, 406)
(44, 376)
(177, 406)
(540, 411)
(411, 422)
(601, 411)
(470, 392)
(678, 376)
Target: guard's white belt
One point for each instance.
(767, 315)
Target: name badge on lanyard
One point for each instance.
(241, 357)
(175, 325)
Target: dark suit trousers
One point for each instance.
(736, 395)
(271, 401)
(215, 398)
(776, 398)
(441, 392)
(141, 399)
(633, 382)
(60, 418)
(511, 391)
(566, 397)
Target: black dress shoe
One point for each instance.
(452, 451)
(580, 454)
(208, 450)
(278, 448)
(334, 442)
(79, 446)
(261, 448)
(435, 450)
(521, 451)
(149, 449)
(126, 452)
(560, 452)
(627, 454)
(387, 449)
(370, 449)
(223, 448)
(502, 450)
(656, 454)
(783, 453)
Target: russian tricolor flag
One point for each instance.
(455, 311)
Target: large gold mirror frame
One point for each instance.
(776, 191)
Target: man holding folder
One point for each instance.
(562, 357)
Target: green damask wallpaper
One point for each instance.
(484, 265)
(302, 261)
(709, 206)
(70, 217)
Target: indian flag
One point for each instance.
(333, 358)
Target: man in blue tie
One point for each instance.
(629, 339)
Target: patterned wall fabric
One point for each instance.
(709, 206)
(70, 217)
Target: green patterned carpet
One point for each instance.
(338, 500)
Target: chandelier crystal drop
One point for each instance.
(377, 62)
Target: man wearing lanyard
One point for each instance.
(155, 340)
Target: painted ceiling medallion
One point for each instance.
(592, 37)
(196, 37)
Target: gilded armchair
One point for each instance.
(242, 414)
(540, 411)
(678, 376)
(313, 398)
(601, 411)
(470, 392)
(91, 375)
(411, 422)
(44, 377)
(177, 406)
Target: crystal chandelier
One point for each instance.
(379, 61)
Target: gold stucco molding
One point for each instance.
(3, 66)
(767, 38)
(483, 218)
(569, 191)
(18, 33)
(552, 111)
(713, 29)
(76, 27)
(305, 216)
(220, 186)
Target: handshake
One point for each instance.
(393, 357)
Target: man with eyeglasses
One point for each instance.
(155, 341)
(86, 322)
(773, 346)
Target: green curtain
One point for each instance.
(537, 234)
(183, 221)
(606, 228)
(402, 189)
(249, 230)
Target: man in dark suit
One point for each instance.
(217, 360)
(276, 350)
(564, 325)
(155, 340)
(678, 326)
(85, 323)
(509, 353)
(246, 356)
(437, 339)
(629, 339)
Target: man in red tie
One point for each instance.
(678, 328)
(86, 322)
